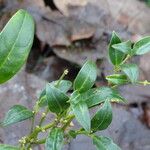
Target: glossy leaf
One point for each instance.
(15, 43)
(104, 143)
(142, 46)
(55, 139)
(98, 95)
(117, 79)
(116, 57)
(7, 147)
(132, 71)
(124, 47)
(57, 100)
(63, 86)
(102, 118)
(92, 97)
(17, 113)
(72, 134)
(86, 77)
(80, 110)
(42, 101)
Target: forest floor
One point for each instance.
(67, 33)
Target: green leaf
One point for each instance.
(17, 113)
(142, 46)
(42, 101)
(132, 71)
(72, 134)
(96, 96)
(7, 147)
(104, 143)
(63, 86)
(116, 57)
(86, 77)
(92, 97)
(15, 43)
(102, 118)
(55, 139)
(57, 100)
(124, 47)
(80, 110)
(117, 79)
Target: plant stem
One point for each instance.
(32, 123)
(39, 141)
(128, 56)
(117, 68)
(35, 111)
(29, 146)
(49, 125)
(114, 86)
(82, 132)
(62, 76)
(71, 117)
(38, 129)
(144, 82)
(43, 116)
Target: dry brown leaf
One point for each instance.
(56, 29)
(146, 113)
(79, 54)
(133, 14)
(80, 30)
(63, 5)
(52, 33)
(2, 3)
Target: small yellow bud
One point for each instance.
(43, 130)
(66, 72)
(65, 121)
(31, 140)
(145, 82)
(43, 114)
(24, 142)
(71, 124)
(37, 127)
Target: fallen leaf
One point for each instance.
(56, 29)
(146, 115)
(79, 54)
(63, 5)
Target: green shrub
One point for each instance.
(15, 43)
